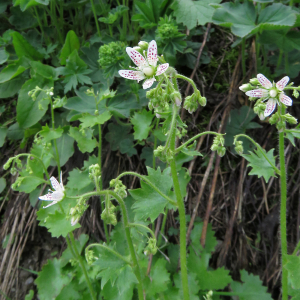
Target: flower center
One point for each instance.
(148, 71)
(273, 93)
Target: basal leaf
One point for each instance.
(142, 121)
(71, 43)
(193, 13)
(251, 289)
(43, 70)
(11, 87)
(14, 69)
(260, 166)
(23, 48)
(3, 56)
(28, 111)
(51, 280)
(149, 204)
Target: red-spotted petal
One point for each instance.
(148, 83)
(257, 93)
(55, 184)
(285, 99)
(264, 81)
(133, 75)
(136, 57)
(47, 197)
(271, 104)
(161, 69)
(54, 202)
(152, 53)
(282, 83)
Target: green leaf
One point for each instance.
(260, 166)
(3, 132)
(43, 70)
(28, 112)
(3, 56)
(75, 72)
(251, 289)
(21, 20)
(192, 283)
(292, 264)
(149, 204)
(51, 280)
(120, 139)
(239, 121)
(115, 270)
(86, 141)
(14, 69)
(65, 146)
(142, 121)
(71, 43)
(25, 4)
(29, 183)
(56, 223)
(2, 184)
(23, 48)
(241, 17)
(30, 295)
(50, 134)
(10, 88)
(193, 13)
(90, 121)
(112, 293)
(160, 278)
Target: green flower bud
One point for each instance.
(191, 103)
(176, 98)
(143, 45)
(202, 101)
(160, 153)
(214, 147)
(8, 163)
(246, 87)
(138, 49)
(239, 147)
(274, 118)
(290, 119)
(108, 216)
(90, 257)
(280, 125)
(151, 247)
(254, 81)
(221, 151)
(295, 93)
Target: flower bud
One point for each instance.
(143, 45)
(202, 101)
(8, 163)
(254, 81)
(176, 97)
(274, 118)
(221, 151)
(246, 87)
(239, 147)
(280, 126)
(139, 49)
(290, 119)
(295, 93)
(151, 247)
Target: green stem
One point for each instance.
(136, 266)
(283, 191)
(110, 250)
(181, 209)
(87, 279)
(243, 57)
(188, 80)
(54, 141)
(261, 150)
(194, 138)
(142, 226)
(146, 180)
(95, 17)
(155, 145)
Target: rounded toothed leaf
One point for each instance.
(282, 83)
(161, 69)
(148, 83)
(132, 75)
(152, 53)
(285, 100)
(271, 104)
(264, 81)
(136, 57)
(257, 93)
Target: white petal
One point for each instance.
(54, 202)
(57, 195)
(161, 69)
(47, 197)
(152, 54)
(285, 99)
(148, 83)
(55, 184)
(132, 75)
(257, 93)
(282, 83)
(136, 57)
(264, 81)
(271, 104)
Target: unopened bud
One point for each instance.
(254, 81)
(246, 87)
(290, 119)
(143, 45)
(239, 147)
(202, 101)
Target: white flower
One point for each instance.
(271, 92)
(146, 67)
(56, 195)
